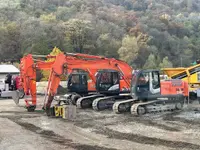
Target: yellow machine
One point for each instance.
(190, 75)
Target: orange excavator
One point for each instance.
(28, 68)
(112, 77)
(147, 93)
(106, 73)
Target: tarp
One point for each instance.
(8, 69)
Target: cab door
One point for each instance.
(77, 82)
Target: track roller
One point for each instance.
(141, 110)
(103, 103)
(74, 98)
(86, 102)
(136, 109)
(123, 106)
(179, 106)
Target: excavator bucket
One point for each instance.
(15, 97)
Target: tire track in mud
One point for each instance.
(52, 136)
(25, 112)
(89, 123)
(145, 140)
(172, 117)
(148, 122)
(140, 138)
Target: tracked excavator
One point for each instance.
(29, 65)
(174, 90)
(107, 100)
(106, 73)
(83, 87)
(150, 95)
(105, 97)
(170, 92)
(78, 90)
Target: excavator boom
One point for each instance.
(28, 77)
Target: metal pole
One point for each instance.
(181, 62)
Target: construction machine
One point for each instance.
(111, 80)
(28, 67)
(190, 74)
(108, 70)
(77, 90)
(150, 95)
(88, 63)
(109, 89)
(111, 84)
(168, 88)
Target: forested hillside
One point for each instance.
(144, 33)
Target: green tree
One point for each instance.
(108, 45)
(65, 13)
(10, 44)
(151, 63)
(165, 63)
(131, 45)
(129, 50)
(48, 18)
(77, 33)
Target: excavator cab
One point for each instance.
(146, 84)
(77, 82)
(108, 82)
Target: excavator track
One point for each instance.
(137, 107)
(103, 103)
(123, 106)
(155, 107)
(86, 102)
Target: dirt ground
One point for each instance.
(21, 130)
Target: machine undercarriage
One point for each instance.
(139, 107)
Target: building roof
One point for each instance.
(8, 69)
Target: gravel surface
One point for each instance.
(22, 130)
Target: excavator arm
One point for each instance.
(28, 77)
